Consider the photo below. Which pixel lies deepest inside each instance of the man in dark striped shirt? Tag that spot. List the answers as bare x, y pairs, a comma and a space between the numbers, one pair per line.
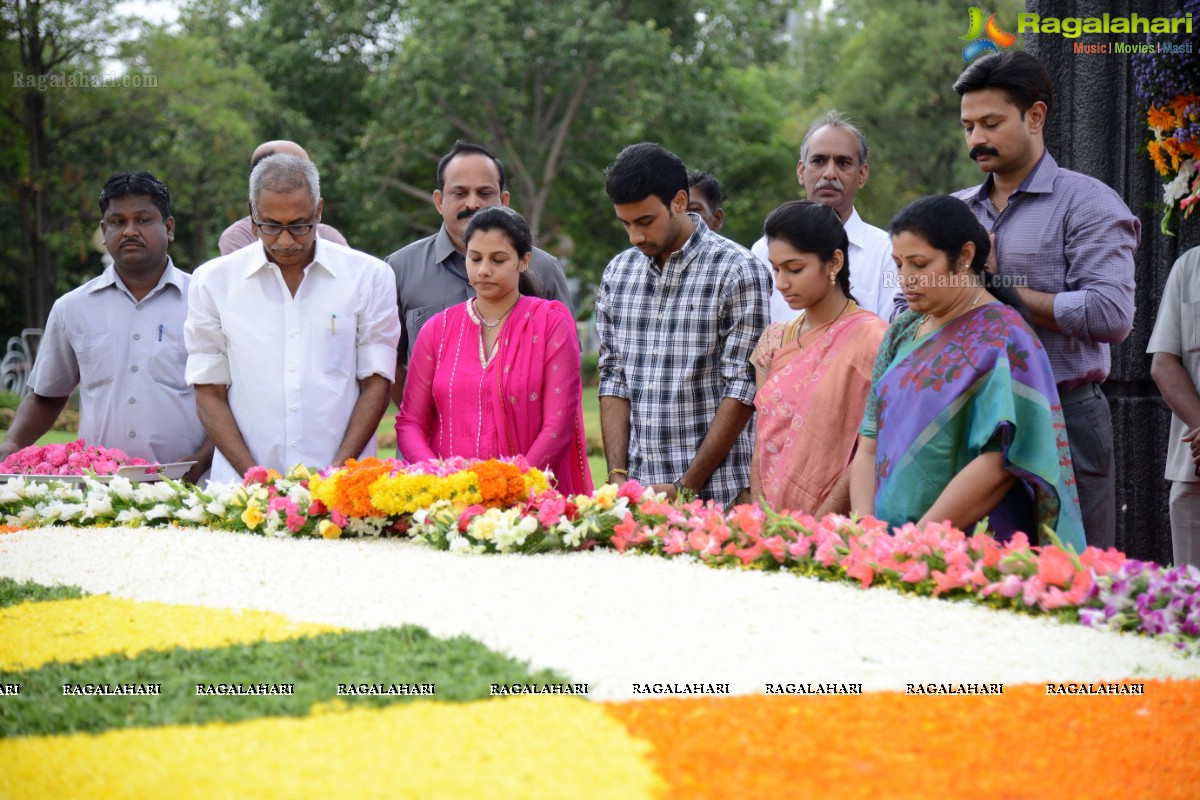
1065, 241
678, 315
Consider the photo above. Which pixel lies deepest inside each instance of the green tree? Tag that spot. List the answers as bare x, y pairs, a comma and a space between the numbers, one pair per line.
315, 59
556, 89
206, 118
53, 50
912, 124
749, 146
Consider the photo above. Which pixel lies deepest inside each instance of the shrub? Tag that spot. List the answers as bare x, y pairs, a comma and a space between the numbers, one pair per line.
589, 369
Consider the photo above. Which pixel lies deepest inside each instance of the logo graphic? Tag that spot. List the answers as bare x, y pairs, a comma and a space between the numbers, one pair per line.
983, 38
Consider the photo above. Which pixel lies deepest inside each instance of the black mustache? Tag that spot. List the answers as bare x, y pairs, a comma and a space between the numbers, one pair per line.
466, 213
982, 150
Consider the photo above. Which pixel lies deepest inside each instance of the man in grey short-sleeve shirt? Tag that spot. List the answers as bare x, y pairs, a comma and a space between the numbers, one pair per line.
431, 273
119, 338
1175, 344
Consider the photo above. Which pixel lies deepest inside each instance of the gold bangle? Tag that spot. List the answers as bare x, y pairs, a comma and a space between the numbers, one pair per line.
618, 471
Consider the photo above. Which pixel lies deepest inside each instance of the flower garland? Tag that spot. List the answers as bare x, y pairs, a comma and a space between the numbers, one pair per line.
1166, 83
504, 506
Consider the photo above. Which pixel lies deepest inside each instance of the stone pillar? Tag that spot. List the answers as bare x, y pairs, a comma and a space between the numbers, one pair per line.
1098, 127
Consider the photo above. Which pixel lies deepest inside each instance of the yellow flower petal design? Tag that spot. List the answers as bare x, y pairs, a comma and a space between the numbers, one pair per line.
33, 634
528, 747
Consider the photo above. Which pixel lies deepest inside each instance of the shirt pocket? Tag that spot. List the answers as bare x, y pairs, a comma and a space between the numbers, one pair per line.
1037, 264
333, 346
1190, 326
95, 353
168, 361
414, 320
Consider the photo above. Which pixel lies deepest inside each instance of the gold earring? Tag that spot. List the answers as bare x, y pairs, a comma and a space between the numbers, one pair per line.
833, 277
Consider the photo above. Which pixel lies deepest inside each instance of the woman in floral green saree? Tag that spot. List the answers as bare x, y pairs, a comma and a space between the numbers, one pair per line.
964, 421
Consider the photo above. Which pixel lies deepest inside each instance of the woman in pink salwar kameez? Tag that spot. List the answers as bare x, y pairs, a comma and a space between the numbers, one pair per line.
498, 375
813, 372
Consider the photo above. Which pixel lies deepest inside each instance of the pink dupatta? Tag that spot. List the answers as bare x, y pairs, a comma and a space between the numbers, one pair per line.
539, 401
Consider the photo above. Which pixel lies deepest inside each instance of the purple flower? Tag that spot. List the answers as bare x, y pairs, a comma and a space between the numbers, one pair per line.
1156, 622
1160, 78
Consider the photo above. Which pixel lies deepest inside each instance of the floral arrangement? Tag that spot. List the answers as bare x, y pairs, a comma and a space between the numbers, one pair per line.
386, 488
1145, 597
1099, 588
74, 458
504, 506
546, 521
1167, 84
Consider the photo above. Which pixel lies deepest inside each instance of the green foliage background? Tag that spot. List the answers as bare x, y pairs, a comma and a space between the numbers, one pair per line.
377, 90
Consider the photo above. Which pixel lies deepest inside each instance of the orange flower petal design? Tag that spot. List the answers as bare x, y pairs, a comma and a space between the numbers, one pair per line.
886, 744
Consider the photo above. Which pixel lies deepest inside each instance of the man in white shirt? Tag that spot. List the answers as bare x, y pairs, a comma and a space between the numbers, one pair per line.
119, 339
833, 168
291, 340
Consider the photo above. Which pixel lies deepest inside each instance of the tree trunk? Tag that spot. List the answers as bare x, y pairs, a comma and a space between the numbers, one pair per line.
38, 268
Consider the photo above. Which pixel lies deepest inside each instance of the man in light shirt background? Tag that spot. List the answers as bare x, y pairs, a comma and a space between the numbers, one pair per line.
431, 273
832, 169
704, 198
292, 340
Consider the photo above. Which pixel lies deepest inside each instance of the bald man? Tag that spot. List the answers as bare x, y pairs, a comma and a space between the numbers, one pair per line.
242, 232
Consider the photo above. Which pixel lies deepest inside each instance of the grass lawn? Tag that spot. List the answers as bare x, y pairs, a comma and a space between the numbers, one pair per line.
591, 427
58, 437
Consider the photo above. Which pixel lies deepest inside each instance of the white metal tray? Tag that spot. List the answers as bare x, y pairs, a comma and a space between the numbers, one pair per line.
140, 473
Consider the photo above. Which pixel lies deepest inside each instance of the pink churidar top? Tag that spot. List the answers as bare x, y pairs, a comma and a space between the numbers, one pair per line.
526, 401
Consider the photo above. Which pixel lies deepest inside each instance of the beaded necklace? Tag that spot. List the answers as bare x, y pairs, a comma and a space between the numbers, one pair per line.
478, 319
485, 358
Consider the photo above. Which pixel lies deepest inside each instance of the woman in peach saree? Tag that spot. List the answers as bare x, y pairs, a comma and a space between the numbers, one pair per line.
813, 372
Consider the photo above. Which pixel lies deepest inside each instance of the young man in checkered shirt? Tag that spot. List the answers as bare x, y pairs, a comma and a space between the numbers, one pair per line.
678, 315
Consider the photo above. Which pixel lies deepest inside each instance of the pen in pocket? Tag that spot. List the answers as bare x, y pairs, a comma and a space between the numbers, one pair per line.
160, 327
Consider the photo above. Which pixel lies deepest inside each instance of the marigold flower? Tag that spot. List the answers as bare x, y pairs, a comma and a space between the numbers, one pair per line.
1180, 104
1162, 118
1171, 148
1158, 157
347, 489
500, 484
